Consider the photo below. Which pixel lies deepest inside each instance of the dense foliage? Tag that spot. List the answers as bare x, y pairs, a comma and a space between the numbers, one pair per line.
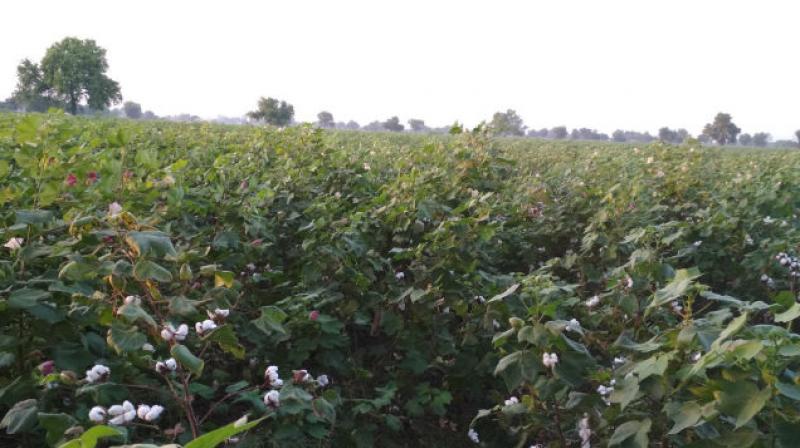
391, 290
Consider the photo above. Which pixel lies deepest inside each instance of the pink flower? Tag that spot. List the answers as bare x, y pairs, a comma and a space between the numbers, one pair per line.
71, 180
47, 367
91, 177
314, 315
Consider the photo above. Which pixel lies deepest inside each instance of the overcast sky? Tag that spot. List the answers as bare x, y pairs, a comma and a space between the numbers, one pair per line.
634, 64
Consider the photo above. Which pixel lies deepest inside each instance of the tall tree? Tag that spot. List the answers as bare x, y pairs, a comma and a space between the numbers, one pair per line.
722, 130
761, 139
325, 119
31, 92
745, 139
73, 71
417, 125
132, 110
393, 124
507, 123
797, 136
558, 132
272, 111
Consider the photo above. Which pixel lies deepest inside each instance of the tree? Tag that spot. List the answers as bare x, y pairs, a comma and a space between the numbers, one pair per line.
558, 132
31, 92
272, 111
507, 123
149, 115
797, 135
761, 139
667, 135
72, 72
417, 125
132, 110
722, 130
618, 136
393, 124
325, 119
746, 139
352, 125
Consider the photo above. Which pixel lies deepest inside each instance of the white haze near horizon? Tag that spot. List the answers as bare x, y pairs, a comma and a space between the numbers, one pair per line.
633, 65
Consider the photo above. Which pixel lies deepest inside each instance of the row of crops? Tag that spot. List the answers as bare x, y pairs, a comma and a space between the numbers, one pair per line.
206, 285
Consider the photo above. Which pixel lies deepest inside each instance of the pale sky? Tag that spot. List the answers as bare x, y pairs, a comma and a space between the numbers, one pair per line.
630, 64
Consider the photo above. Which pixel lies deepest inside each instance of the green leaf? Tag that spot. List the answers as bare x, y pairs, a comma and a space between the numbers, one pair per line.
26, 298
55, 425
686, 416
220, 435
33, 216
730, 330
513, 288
507, 361
270, 321
223, 279
227, 340
157, 244
89, 438
181, 306
625, 391
789, 315
21, 417
124, 338
149, 270
635, 429
788, 390
676, 288
133, 312
186, 359
742, 400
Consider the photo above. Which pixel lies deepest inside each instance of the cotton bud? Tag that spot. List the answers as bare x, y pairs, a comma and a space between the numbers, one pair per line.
170, 365
97, 373
584, 431
97, 414
516, 322
549, 360
593, 301
573, 325
511, 401
149, 413
619, 360
473, 435
219, 315
205, 326
123, 414
114, 209
323, 380
400, 275
272, 399
300, 376
14, 244
170, 334
313, 315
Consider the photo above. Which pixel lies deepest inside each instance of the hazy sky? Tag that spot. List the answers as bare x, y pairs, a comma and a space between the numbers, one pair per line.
610, 64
